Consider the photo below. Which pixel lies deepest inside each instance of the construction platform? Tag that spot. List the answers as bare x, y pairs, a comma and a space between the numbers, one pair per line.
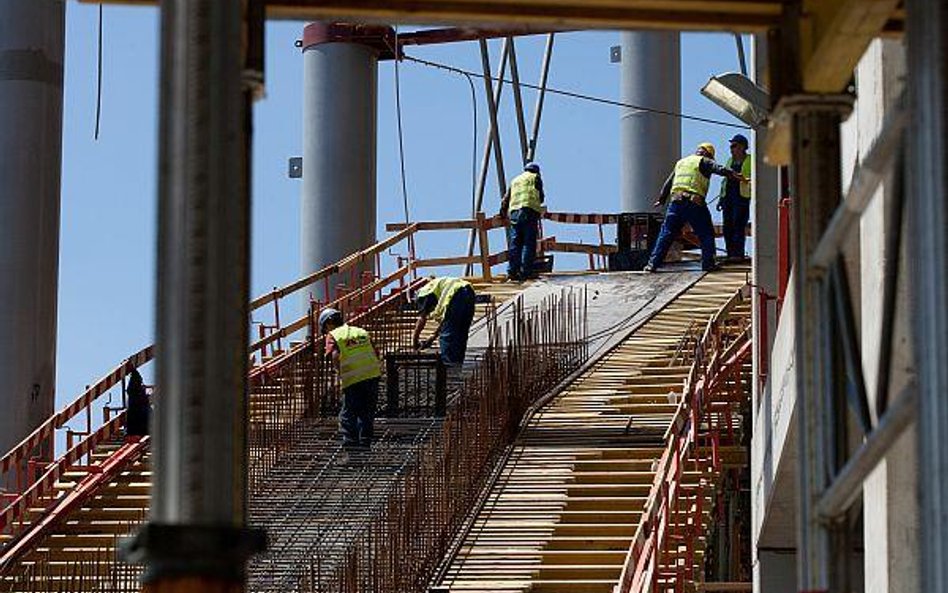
564, 501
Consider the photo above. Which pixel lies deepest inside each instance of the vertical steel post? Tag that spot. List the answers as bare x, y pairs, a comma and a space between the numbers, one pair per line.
32, 51
492, 112
817, 178
518, 100
541, 95
927, 208
196, 539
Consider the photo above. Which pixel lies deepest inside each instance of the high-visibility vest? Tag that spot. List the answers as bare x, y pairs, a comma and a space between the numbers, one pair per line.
746, 172
688, 177
443, 289
524, 193
357, 359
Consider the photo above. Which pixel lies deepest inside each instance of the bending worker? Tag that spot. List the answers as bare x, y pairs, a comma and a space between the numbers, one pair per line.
357, 362
450, 301
522, 206
687, 185
735, 198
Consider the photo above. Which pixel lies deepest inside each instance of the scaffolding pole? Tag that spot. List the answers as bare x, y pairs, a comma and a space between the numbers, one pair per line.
196, 539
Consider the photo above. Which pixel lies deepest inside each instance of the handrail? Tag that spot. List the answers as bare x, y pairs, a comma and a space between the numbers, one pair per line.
714, 361
58, 420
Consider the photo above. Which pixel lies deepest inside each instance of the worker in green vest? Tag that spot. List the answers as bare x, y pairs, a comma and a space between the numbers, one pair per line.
451, 302
735, 198
522, 206
687, 186
357, 362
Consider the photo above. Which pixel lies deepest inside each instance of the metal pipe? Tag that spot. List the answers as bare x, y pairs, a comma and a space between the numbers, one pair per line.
541, 95
741, 59
494, 95
197, 518
927, 209
492, 112
846, 487
518, 100
32, 46
867, 178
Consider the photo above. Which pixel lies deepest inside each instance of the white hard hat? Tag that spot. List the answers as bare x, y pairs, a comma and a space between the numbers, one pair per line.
327, 314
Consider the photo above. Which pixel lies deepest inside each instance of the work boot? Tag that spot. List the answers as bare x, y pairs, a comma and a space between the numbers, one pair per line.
712, 268
649, 269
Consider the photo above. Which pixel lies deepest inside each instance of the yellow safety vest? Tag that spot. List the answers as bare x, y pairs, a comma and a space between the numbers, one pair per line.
524, 193
746, 167
357, 359
443, 289
688, 177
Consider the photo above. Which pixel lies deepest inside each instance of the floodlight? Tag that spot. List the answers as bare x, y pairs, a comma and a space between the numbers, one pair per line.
739, 96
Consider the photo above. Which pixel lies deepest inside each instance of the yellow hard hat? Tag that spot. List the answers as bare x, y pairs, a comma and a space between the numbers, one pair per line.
708, 147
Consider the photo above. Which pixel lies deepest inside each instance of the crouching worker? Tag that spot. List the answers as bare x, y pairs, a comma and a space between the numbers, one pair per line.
451, 302
359, 368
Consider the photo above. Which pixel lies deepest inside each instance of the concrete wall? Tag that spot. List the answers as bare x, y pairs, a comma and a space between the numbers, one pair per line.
890, 511
890, 505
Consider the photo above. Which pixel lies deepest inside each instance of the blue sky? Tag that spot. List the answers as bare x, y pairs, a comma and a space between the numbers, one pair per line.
107, 262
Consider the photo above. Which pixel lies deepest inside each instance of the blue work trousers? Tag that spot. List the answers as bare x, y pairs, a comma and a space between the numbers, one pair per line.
522, 242
357, 416
679, 213
456, 326
736, 213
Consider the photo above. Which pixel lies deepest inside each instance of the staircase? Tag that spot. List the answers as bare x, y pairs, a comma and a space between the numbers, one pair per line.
564, 510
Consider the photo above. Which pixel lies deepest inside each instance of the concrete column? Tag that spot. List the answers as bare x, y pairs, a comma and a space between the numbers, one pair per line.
889, 499
927, 209
32, 46
650, 142
340, 109
817, 168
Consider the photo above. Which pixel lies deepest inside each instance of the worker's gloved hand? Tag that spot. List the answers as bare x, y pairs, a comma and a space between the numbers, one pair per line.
657, 203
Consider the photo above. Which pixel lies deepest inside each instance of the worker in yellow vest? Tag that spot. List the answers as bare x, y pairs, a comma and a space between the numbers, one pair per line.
451, 302
687, 186
735, 198
357, 362
522, 206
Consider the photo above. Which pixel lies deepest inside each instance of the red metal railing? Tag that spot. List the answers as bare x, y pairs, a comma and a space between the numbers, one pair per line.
784, 259
673, 514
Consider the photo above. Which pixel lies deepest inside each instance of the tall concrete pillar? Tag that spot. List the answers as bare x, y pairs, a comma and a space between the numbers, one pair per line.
340, 109
650, 142
32, 48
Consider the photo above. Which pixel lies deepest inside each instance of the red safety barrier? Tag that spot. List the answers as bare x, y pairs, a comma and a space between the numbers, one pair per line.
693, 438
784, 259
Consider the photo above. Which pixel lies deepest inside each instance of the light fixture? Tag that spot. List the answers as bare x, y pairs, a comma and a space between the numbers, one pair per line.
739, 96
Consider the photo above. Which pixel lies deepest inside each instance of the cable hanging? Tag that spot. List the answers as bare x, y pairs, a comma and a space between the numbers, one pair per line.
581, 96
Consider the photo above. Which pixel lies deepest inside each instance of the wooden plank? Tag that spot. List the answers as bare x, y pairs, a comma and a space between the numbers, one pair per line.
835, 34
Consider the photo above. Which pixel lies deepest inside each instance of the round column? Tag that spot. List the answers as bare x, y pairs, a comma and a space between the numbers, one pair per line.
340, 97
650, 143
32, 47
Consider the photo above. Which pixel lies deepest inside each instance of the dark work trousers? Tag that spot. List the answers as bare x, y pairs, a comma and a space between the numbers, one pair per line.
357, 417
699, 217
456, 325
522, 242
736, 211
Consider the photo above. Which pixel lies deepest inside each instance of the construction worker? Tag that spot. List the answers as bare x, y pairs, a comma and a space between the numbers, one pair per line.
734, 200
522, 206
357, 362
451, 302
687, 186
